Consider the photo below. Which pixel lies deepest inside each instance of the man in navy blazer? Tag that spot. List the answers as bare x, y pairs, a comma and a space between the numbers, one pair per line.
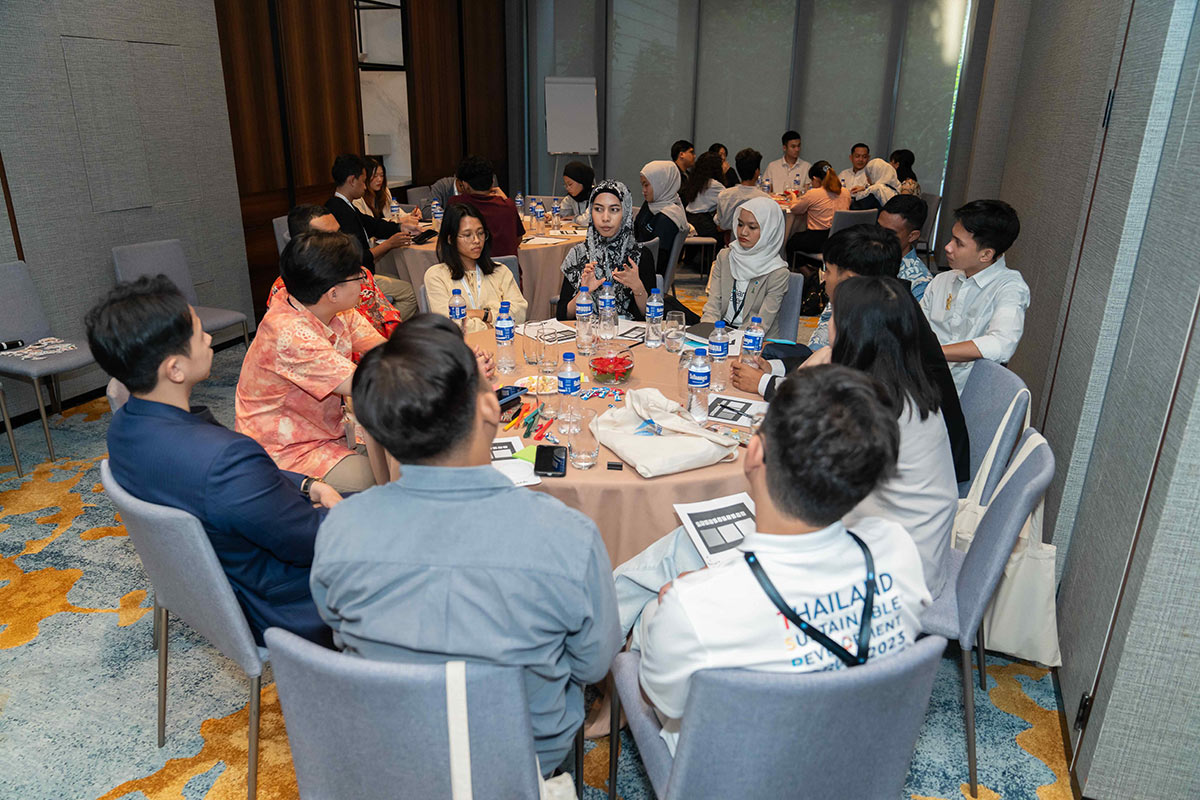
261, 520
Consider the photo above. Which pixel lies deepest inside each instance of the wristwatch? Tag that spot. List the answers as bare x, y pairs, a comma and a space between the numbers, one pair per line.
306, 486
487, 315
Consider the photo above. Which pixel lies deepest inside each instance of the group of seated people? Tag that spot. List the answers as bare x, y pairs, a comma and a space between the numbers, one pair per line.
854, 469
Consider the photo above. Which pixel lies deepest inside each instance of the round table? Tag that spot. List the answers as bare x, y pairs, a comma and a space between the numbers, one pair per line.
541, 273
631, 512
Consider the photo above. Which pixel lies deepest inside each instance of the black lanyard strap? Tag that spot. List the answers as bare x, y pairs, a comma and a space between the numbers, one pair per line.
737, 309
864, 625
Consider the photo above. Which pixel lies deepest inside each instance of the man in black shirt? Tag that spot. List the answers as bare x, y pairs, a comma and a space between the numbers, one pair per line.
350, 175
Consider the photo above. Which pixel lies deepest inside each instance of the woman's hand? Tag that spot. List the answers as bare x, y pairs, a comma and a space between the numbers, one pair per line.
588, 277
487, 365
628, 276
822, 356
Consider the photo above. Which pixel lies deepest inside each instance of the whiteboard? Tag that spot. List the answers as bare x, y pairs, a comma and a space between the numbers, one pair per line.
571, 125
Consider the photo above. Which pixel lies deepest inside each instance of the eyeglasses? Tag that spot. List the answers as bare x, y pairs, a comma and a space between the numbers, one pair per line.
360, 277
475, 236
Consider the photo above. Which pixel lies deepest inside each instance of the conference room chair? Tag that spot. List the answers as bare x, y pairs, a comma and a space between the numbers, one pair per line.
513, 265
957, 613
165, 256
23, 317
282, 237
12, 442
704, 243
364, 728
848, 219
649, 246
418, 195
188, 581
789, 307
925, 243
117, 394
422, 300
666, 281
750, 734
985, 399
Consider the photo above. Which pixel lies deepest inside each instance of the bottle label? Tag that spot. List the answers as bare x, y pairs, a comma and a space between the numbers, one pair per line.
504, 330
458, 312
568, 384
583, 309
654, 312
606, 303
752, 342
718, 349
698, 378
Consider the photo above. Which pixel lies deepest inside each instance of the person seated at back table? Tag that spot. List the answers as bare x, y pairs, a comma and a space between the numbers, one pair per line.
261, 521
376, 200
662, 216
729, 175
609, 252
867, 251
299, 366
882, 185
699, 194
683, 154
977, 308
749, 279
825, 196
790, 171
728, 201
475, 184
464, 245
904, 215
854, 177
350, 176
373, 302
829, 437
902, 161
451, 561
578, 181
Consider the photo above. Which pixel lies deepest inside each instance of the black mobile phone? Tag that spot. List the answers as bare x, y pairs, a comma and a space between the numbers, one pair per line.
424, 236
550, 461
507, 395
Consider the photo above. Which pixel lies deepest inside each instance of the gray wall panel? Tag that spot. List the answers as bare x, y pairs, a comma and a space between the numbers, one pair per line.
163, 111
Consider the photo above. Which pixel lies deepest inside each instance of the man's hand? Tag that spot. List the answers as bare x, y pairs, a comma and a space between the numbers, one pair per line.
822, 356
322, 494
747, 377
487, 364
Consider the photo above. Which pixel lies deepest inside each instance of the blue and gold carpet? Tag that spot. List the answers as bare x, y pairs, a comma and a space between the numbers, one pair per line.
77, 672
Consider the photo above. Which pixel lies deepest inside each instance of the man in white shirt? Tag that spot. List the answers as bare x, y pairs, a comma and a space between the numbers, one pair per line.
729, 200
825, 443
977, 309
791, 171
855, 177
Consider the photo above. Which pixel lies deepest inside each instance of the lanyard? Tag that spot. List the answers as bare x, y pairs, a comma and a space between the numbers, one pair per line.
864, 626
737, 309
478, 287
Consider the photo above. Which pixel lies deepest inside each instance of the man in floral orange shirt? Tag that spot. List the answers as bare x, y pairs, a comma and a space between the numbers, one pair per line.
299, 367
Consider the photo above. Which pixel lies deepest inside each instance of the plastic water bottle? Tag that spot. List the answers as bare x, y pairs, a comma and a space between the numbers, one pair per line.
520, 201
568, 396
458, 309
541, 219
556, 217
698, 378
752, 341
395, 209
718, 356
437, 216
606, 299
584, 319
506, 357
654, 319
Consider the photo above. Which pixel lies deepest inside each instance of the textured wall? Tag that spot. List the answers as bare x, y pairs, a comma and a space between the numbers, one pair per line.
115, 131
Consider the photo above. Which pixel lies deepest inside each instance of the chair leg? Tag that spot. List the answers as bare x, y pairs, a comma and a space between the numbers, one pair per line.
12, 442
614, 737
255, 710
982, 658
37, 390
246, 334
969, 715
579, 763
154, 635
56, 394
160, 616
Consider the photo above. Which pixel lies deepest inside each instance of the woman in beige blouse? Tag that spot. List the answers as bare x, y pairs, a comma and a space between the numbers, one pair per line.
464, 247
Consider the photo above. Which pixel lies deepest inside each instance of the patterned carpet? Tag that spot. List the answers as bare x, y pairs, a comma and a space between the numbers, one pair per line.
77, 672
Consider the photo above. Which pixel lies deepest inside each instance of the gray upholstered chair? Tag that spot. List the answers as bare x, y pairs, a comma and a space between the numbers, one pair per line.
704, 243
789, 308
282, 236
363, 728
925, 242
166, 256
419, 195
745, 733
985, 399
188, 581
117, 394
957, 613
513, 265
667, 280
848, 219
22, 317
12, 443
422, 300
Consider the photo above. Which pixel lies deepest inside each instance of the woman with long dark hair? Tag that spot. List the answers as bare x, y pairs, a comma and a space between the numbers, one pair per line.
876, 328
729, 175
902, 161
699, 194
464, 247
816, 208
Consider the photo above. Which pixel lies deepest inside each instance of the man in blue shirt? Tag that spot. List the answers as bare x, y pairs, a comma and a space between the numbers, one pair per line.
904, 215
452, 561
262, 521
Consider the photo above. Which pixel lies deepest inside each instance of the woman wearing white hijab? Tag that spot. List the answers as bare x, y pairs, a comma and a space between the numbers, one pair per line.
749, 278
662, 214
882, 185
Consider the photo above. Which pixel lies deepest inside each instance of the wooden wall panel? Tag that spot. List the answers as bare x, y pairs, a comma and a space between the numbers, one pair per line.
485, 84
435, 116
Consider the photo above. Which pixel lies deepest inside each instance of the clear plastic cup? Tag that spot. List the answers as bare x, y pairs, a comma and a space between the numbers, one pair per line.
582, 444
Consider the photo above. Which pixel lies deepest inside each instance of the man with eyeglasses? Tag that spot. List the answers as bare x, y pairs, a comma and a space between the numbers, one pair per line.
299, 367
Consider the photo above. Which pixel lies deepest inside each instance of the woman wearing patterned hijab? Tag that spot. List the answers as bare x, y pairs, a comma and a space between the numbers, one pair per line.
609, 253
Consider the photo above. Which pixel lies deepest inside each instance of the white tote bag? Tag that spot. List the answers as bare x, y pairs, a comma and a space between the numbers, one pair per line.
655, 436
560, 787
1021, 620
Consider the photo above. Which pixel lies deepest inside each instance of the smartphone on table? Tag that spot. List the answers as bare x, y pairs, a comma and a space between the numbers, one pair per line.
550, 461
